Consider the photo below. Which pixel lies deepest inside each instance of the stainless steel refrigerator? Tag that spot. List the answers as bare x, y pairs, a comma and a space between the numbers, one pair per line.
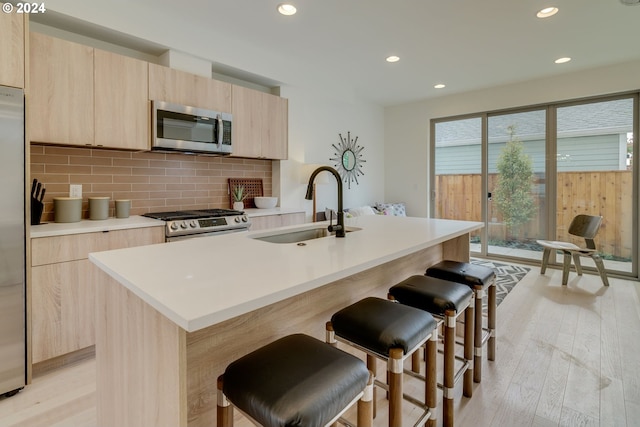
12, 242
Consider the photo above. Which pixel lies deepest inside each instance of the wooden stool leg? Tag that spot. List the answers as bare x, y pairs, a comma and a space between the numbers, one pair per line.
395, 370
478, 292
492, 311
372, 366
431, 382
365, 404
224, 414
415, 361
449, 368
600, 266
469, 338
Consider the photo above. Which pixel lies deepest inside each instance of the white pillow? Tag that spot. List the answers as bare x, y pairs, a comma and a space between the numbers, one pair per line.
361, 211
393, 209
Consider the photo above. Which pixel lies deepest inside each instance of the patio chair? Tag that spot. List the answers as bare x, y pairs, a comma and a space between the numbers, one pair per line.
585, 226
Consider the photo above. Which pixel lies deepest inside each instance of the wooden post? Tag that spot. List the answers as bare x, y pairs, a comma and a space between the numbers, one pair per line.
431, 381
371, 365
449, 368
478, 293
395, 370
469, 332
365, 404
224, 408
491, 321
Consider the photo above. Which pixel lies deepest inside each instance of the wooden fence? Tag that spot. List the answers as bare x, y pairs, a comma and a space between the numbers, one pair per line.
606, 193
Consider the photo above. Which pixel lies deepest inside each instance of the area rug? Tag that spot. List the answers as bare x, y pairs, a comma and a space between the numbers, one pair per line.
507, 277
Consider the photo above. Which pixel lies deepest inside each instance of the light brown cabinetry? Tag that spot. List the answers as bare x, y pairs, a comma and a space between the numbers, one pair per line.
179, 87
278, 220
121, 101
12, 28
85, 96
61, 91
63, 287
260, 124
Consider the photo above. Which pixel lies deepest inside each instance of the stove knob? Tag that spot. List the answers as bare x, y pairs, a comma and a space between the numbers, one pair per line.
184, 224
174, 226
244, 218
237, 219
193, 224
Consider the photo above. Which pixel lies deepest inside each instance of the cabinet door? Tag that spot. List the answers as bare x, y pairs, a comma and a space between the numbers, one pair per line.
293, 218
247, 122
121, 101
63, 309
12, 49
275, 127
180, 87
61, 94
265, 222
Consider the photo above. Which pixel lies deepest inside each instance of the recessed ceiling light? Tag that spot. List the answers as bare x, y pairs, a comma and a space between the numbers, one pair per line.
439, 86
562, 60
393, 58
547, 12
287, 9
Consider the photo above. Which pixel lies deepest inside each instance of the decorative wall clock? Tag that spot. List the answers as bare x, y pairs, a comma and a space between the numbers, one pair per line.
348, 159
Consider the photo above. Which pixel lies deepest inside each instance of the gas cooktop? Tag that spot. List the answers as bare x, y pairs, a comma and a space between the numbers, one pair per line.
192, 214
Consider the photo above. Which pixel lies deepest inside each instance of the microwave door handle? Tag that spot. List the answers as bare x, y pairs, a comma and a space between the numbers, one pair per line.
220, 130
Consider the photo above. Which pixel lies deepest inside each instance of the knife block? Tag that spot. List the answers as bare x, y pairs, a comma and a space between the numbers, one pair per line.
36, 211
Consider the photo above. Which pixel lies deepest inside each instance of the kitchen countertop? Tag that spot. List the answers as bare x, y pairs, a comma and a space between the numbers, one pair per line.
92, 226
197, 283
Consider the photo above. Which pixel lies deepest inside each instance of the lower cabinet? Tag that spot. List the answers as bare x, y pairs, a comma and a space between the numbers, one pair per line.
63, 287
279, 220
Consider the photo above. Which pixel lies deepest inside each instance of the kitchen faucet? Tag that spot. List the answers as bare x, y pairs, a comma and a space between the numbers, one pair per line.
339, 227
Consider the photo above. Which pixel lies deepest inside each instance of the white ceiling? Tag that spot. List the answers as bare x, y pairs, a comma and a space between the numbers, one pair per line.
465, 44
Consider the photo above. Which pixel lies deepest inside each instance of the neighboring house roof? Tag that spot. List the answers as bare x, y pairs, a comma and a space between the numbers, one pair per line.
577, 120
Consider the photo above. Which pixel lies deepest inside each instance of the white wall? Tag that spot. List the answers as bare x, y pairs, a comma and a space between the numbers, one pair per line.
407, 126
315, 120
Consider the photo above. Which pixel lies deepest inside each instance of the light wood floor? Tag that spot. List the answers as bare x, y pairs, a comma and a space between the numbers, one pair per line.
566, 357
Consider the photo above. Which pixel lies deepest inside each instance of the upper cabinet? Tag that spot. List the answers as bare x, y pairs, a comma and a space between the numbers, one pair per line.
85, 96
121, 101
12, 28
61, 91
260, 124
179, 87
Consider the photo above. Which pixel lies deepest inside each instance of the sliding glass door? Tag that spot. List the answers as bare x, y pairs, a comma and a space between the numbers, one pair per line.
526, 173
595, 175
516, 183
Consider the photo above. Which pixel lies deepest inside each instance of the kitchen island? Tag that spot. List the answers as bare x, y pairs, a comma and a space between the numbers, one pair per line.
170, 317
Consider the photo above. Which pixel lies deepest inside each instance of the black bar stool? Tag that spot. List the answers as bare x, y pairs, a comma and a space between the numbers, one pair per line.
447, 301
479, 279
391, 332
296, 380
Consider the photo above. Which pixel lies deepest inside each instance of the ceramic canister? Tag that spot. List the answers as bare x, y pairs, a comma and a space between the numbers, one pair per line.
98, 208
67, 209
122, 208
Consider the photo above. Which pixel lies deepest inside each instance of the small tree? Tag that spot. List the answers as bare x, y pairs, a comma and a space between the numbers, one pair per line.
513, 193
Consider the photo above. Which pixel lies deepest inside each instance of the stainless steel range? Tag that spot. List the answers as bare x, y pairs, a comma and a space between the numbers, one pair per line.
202, 222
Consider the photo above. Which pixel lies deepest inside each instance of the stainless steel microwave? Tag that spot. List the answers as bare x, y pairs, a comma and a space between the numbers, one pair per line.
190, 129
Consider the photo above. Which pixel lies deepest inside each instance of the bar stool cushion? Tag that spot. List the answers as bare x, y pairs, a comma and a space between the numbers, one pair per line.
294, 381
462, 272
431, 294
380, 325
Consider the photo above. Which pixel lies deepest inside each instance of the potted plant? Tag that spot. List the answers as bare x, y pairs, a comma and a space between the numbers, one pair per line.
238, 196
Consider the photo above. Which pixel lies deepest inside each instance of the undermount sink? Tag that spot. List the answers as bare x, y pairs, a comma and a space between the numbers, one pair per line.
296, 236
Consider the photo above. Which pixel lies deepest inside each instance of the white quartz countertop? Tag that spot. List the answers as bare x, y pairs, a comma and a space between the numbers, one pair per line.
199, 282
92, 226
